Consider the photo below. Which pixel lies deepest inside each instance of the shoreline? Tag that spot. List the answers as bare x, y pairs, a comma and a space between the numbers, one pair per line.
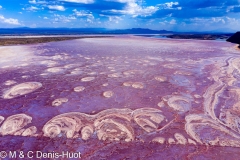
31, 39
9, 41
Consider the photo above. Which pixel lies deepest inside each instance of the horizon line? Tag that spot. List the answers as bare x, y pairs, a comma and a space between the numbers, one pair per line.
116, 29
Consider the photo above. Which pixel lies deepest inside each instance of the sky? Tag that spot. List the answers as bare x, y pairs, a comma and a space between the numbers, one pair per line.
179, 15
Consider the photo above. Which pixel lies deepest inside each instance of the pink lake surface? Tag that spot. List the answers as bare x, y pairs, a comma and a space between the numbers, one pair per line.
122, 97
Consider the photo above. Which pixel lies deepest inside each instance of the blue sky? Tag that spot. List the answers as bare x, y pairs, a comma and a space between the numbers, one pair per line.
179, 15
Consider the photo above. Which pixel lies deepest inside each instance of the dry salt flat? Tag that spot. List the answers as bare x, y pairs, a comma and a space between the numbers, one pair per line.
113, 97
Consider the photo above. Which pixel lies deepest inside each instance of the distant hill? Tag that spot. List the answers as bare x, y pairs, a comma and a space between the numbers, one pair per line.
235, 38
74, 31
139, 31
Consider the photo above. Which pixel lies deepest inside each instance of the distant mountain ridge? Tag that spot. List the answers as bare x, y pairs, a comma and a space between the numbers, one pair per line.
141, 31
73, 31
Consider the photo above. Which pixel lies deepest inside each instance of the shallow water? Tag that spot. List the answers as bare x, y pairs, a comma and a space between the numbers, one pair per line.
112, 97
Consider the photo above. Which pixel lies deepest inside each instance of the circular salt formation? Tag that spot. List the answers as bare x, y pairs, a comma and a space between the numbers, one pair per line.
131, 72
171, 141
108, 94
68, 66
114, 75
69, 125
31, 131
127, 84
15, 123
110, 68
55, 70
114, 125
76, 72
60, 125
160, 140
9, 82
49, 63
87, 79
92, 73
179, 103
87, 58
21, 89
138, 85
79, 89
160, 78
86, 132
25, 76
105, 85
59, 101
148, 118
183, 73
180, 138
111, 130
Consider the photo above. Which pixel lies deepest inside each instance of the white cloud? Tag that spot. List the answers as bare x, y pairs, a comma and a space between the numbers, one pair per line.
170, 22
212, 20
169, 5
134, 9
32, 8
0, 7
89, 20
173, 21
33, 2
217, 19
83, 13
45, 17
63, 19
115, 19
163, 23
79, 1
37, 2
123, 1
9, 20
56, 7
